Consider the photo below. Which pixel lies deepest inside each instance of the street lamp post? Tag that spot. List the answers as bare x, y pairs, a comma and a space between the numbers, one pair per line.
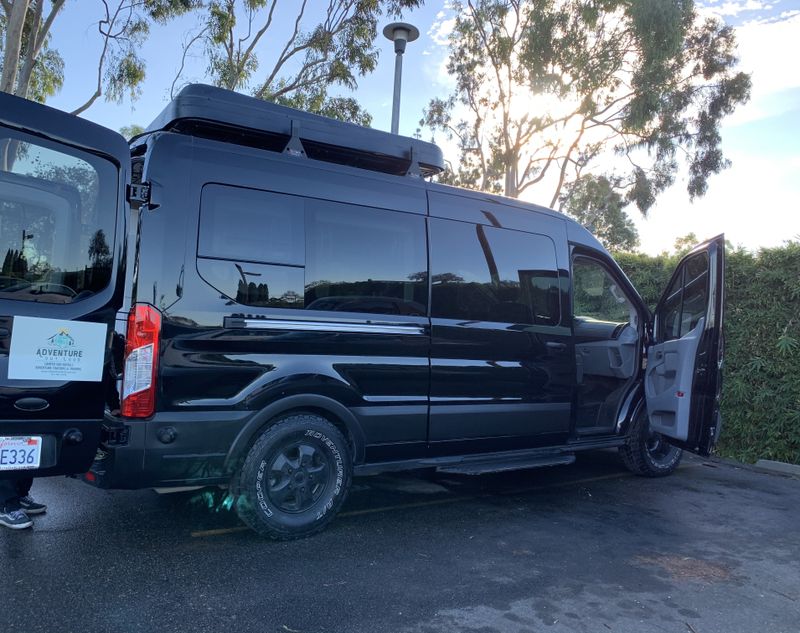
400, 33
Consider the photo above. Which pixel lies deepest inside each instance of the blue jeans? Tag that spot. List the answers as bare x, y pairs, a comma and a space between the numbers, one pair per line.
10, 492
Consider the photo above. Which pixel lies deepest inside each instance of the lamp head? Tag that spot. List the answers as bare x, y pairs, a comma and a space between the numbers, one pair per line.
400, 33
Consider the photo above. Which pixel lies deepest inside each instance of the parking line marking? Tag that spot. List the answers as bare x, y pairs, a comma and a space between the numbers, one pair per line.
219, 531
403, 506
446, 500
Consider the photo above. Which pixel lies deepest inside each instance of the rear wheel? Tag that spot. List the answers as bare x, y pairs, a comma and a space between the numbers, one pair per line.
648, 453
295, 477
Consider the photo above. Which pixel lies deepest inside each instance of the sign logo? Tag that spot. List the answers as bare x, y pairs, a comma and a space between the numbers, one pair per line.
60, 345
61, 339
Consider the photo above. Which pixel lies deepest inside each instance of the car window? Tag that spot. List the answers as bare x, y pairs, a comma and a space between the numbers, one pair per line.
686, 301
250, 225
272, 250
360, 259
482, 273
57, 221
596, 294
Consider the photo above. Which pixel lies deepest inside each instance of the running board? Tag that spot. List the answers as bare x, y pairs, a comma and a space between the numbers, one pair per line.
494, 462
499, 465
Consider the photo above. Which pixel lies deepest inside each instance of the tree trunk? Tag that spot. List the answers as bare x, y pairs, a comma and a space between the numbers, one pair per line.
511, 181
35, 40
13, 44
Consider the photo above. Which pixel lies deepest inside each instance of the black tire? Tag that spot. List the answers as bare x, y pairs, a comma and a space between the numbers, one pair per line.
294, 478
647, 453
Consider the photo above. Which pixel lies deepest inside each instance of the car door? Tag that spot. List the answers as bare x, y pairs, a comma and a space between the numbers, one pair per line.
684, 361
502, 363
62, 203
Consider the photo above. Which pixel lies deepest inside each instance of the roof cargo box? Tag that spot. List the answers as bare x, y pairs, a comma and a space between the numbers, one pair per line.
223, 115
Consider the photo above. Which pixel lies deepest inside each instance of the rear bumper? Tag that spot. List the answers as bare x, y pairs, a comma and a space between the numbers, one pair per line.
170, 449
68, 446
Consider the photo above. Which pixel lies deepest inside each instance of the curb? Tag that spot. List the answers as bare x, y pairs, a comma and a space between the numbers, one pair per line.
780, 468
763, 466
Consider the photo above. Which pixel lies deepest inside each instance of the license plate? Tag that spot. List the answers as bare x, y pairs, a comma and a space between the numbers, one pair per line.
20, 453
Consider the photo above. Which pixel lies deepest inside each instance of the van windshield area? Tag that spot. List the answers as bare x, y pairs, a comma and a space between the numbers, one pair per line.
57, 220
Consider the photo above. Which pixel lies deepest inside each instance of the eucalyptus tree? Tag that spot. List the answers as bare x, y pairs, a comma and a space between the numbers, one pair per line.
32, 69
546, 91
291, 53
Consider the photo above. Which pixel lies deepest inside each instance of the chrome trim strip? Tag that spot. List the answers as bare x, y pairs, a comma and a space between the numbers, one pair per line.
332, 326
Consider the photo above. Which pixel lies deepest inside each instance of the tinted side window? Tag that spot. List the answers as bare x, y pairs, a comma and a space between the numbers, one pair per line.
57, 220
272, 250
484, 273
251, 225
695, 292
671, 310
595, 293
686, 300
257, 285
360, 259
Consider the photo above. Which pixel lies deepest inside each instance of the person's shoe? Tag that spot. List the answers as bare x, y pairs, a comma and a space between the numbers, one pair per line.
15, 519
30, 506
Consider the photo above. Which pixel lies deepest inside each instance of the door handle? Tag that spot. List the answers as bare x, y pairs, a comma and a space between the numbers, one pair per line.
558, 347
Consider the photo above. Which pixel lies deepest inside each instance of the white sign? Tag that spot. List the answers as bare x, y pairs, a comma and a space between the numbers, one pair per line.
52, 349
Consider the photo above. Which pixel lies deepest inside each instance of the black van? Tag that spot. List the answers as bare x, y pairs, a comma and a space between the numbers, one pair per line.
256, 297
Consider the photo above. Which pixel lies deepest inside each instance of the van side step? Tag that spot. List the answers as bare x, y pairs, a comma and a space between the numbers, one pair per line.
499, 465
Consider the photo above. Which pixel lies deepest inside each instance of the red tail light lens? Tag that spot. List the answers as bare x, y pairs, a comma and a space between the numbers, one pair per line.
141, 362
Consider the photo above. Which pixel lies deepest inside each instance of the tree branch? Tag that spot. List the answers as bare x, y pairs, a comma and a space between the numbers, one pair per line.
282, 58
110, 21
184, 53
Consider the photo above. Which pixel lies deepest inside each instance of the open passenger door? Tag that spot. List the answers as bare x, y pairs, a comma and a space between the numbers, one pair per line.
684, 360
62, 240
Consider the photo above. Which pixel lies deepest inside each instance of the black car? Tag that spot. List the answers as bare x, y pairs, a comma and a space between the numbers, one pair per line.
255, 297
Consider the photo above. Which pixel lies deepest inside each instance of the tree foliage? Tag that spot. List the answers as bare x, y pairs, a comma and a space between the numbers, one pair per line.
31, 69
129, 131
545, 89
761, 384
312, 56
598, 205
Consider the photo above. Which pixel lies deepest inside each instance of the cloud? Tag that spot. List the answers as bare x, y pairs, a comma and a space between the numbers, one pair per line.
732, 8
762, 45
756, 203
439, 38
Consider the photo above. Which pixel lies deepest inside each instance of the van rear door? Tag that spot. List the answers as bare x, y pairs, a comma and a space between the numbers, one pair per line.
62, 239
683, 376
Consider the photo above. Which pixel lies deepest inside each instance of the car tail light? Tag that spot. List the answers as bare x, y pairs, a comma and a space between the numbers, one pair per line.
141, 362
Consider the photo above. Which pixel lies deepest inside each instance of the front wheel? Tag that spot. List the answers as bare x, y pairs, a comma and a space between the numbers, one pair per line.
648, 453
295, 477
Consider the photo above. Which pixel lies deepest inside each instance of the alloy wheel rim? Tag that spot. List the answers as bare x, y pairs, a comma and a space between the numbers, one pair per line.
298, 475
657, 447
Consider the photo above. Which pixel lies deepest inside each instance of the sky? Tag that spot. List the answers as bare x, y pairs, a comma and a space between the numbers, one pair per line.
755, 202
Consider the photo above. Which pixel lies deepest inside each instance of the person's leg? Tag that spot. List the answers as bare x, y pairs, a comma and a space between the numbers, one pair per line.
24, 486
9, 495
25, 500
11, 514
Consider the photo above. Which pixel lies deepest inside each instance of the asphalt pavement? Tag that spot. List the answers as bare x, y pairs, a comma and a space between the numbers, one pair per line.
587, 547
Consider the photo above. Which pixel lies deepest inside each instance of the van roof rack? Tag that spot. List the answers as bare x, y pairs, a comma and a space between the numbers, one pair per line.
224, 115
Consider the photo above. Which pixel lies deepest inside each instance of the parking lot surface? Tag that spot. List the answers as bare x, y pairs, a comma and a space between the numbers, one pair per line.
586, 547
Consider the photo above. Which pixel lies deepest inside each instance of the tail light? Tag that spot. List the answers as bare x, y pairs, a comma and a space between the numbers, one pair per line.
141, 362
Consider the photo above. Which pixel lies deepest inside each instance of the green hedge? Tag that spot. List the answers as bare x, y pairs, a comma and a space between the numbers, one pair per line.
761, 378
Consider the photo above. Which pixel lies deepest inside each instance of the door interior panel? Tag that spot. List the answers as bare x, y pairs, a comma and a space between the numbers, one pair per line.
668, 383
615, 357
